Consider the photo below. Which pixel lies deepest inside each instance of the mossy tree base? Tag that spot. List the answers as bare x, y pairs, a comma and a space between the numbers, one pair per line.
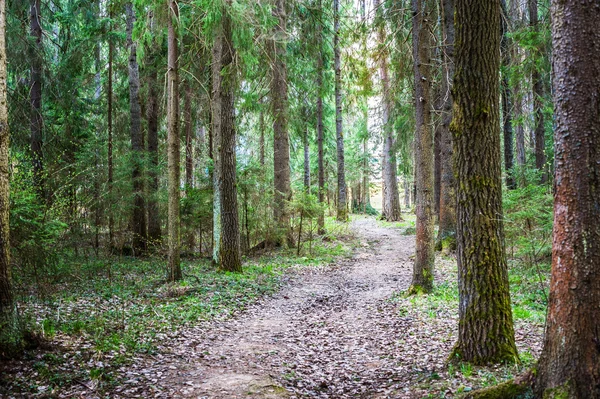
507, 390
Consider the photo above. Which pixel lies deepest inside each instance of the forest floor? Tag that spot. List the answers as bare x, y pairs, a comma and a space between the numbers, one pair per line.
343, 330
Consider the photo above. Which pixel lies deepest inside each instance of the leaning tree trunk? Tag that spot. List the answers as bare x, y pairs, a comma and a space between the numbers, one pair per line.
10, 339
138, 219
342, 208
391, 210
281, 141
485, 329
173, 225
447, 221
229, 249
569, 364
320, 127
35, 93
538, 102
422, 280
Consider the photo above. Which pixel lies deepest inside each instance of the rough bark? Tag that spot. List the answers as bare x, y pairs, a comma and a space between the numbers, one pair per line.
447, 218
35, 93
569, 364
138, 218
422, 280
342, 207
391, 208
10, 339
152, 108
538, 103
485, 330
229, 258
507, 101
281, 141
320, 127
173, 225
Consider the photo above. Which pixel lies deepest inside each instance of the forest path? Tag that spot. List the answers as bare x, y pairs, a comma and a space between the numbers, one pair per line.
330, 333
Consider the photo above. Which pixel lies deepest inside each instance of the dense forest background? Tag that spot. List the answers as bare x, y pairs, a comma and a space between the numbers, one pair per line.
181, 149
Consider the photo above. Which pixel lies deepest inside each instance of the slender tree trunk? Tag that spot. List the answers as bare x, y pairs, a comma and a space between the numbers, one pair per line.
152, 108
406, 193
189, 144
507, 102
422, 43
342, 208
320, 127
173, 142
138, 220
109, 117
538, 102
281, 143
391, 209
447, 221
215, 140
366, 194
10, 339
261, 143
229, 256
306, 161
437, 161
35, 93
485, 330
569, 364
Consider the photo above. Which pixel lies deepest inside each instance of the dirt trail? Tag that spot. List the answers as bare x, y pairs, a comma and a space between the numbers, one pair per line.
330, 333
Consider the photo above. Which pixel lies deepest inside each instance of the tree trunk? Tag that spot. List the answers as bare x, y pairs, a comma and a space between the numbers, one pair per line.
109, 117
173, 142
538, 103
229, 256
366, 194
507, 101
320, 127
342, 209
306, 161
391, 208
568, 366
154, 233
281, 143
35, 94
422, 280
447, 221
261, 143
485, 330
10, 339
189, 144
138, 220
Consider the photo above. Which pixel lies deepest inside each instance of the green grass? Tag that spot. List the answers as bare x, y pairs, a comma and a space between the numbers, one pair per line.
406, 226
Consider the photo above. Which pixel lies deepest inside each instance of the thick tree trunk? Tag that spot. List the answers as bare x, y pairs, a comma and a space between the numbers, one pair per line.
422, 280
35, 93
154, 233
485, 330
391, 202
342, 208
538, 97
281, 143
320, 127
229, 249
569, 364
138, 219
215, 140
447, 220
507, 101
173, 142
10, 338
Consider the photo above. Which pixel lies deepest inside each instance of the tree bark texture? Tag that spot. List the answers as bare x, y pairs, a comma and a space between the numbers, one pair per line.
342, 208
422, 280
320, 127
173, 143
279, 96
447, 218
9, 329
35, 93
507, 101
138, 219
569, 366
109, 122
485, 331
189, 137
229, 255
